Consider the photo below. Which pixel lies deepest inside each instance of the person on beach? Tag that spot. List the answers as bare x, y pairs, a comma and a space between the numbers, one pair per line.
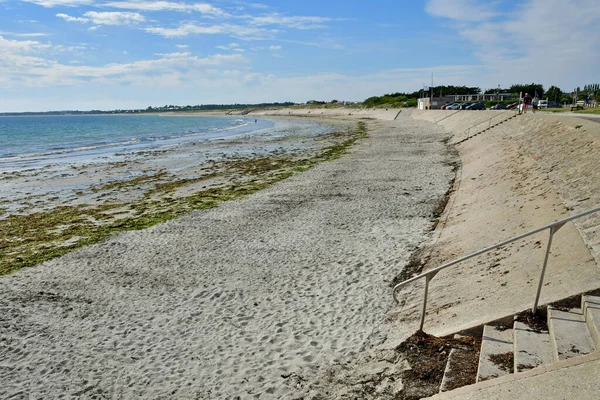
526, 102
534, 104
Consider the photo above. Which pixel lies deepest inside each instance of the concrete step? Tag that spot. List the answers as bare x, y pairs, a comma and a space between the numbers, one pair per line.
496, 357
446, 384
591, 311
454, 367
532, 348
569, 334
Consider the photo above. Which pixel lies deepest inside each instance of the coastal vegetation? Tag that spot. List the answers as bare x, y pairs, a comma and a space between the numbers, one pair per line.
410, 99
28, 239
589, 92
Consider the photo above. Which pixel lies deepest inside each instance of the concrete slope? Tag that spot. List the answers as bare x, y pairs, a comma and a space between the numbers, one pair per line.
502, 191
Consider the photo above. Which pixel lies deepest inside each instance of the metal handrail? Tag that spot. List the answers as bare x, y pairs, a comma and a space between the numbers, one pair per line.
468, 130
554, 227
447, 116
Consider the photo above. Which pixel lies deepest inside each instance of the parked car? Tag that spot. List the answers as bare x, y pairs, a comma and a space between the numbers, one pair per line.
554, 104
445, 106
476, 106
511, 106
543, 104
499, 106
464, 106
453, 106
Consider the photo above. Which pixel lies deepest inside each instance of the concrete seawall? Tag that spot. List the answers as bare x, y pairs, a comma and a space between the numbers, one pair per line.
520, 175
567, 153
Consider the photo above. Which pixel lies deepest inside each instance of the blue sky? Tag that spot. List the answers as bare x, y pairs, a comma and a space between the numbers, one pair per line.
108, 54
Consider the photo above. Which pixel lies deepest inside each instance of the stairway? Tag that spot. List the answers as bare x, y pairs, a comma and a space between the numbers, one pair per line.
487, 129
570, 332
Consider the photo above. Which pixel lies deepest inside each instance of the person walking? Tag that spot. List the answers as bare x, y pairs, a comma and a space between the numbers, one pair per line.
534, 104
526, 102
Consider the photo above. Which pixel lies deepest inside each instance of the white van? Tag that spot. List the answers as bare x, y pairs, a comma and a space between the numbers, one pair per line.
543, 104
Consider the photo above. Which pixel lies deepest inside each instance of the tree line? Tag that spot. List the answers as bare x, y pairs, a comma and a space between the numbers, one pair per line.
554, 93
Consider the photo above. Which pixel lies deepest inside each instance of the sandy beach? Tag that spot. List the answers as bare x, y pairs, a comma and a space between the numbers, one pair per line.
286, 293
250, 299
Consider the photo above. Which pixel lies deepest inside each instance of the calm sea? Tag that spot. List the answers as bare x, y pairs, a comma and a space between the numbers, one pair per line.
26, 139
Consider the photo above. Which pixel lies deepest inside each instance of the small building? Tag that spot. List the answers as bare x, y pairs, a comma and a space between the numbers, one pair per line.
435, 104
423, 103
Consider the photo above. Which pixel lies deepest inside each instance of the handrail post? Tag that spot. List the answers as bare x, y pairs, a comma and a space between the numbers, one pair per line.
553, 230
425, 294
427, 279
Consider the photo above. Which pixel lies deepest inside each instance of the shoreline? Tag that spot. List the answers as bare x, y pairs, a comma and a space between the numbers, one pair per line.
90, 199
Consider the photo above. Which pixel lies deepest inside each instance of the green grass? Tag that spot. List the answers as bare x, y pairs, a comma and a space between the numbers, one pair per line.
568, 109
589, 111
27, 240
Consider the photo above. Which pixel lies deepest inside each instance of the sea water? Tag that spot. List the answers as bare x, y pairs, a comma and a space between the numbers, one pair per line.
25, 140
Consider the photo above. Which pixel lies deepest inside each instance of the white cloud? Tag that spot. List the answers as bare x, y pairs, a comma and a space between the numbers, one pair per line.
24, 65
33, 34
259, 6
182, 46
166, 6
230, 46
274, 48
105, 18
173, 55
461, 10
68, 49
187, 29
114, 18
57, 3
297, 22
541, 41
8, 46
72, 19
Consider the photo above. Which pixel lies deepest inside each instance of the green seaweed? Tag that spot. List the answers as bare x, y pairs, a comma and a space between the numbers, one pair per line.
28, 240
